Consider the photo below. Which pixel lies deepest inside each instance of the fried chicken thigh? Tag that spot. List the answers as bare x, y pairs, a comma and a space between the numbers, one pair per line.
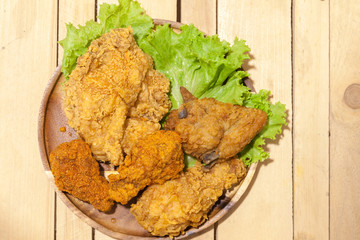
212, 130
170, 208
77, 172
156, 158
105, 86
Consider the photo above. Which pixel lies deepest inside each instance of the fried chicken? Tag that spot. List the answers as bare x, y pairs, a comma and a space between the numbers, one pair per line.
77, 172
150, 107
153, 102
135, 130
212, 130
170, 208
105, 86
156, 158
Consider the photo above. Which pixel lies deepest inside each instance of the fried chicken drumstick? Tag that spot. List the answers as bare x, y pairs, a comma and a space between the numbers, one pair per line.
77, 172
212, 130
170, 208
156, 158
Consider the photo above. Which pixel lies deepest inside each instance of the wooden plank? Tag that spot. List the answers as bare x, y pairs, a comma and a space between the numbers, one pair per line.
27, 59
201, 13
311, 158
161, 9
265, 212
344, 119
68, 225
101, 236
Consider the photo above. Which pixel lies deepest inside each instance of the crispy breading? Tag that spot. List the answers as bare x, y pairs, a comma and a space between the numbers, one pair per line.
112, 78
77, 172
170, 208
153, 102
135, 130
156, 158
211, 129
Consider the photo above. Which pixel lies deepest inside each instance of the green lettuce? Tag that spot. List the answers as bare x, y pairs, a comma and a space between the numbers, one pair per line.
205, 65
209, 67
111, 16
200, 64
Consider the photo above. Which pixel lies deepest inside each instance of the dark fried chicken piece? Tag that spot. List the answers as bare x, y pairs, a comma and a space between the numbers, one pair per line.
170, 208
113, 80
156, 158
77, 172
212, 130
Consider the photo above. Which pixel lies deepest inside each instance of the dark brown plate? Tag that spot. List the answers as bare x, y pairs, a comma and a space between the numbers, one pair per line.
119, 223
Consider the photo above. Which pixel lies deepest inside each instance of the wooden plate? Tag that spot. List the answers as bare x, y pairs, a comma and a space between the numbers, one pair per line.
119, 223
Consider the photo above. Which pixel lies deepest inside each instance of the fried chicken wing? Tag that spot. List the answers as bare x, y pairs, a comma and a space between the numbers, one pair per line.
112, 78
212, 130
156, 158
77, 172
170, 208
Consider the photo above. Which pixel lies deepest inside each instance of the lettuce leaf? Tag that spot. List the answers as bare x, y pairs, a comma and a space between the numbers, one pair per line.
209, 67
194, 61
253, 152
77, 40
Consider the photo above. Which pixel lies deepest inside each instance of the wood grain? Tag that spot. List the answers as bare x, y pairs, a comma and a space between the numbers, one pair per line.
27, 59
161, 9
68, 225
266, 210
344, 121
201, 13
311, 95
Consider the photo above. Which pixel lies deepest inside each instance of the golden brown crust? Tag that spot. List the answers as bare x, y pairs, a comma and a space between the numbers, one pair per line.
153, 102
135, 129
77, 172
154, 159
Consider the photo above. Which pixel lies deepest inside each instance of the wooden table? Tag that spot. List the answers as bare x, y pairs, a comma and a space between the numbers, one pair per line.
306, 52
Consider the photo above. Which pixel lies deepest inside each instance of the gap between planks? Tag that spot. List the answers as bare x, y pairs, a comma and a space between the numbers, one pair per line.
329, 123
292, 111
